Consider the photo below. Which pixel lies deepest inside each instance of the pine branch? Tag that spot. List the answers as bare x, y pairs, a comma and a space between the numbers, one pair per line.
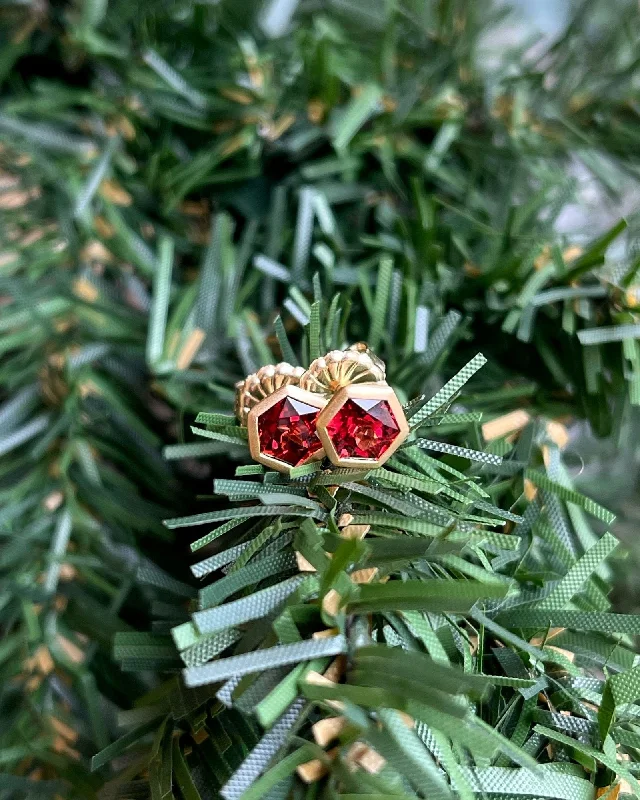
382, 624
139, 143
82, 483
405, 147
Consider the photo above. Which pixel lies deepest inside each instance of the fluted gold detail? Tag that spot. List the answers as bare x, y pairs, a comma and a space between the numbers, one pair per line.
261, 384
340, 368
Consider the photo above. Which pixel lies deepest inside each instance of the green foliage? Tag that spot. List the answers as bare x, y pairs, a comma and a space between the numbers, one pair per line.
175, 175
418, 149
469, 636
82, 486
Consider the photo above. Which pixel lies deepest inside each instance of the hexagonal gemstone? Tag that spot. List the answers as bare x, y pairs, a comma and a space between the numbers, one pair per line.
287, 431
363, 428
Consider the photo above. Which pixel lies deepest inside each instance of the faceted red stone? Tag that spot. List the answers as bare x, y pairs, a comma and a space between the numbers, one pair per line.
363, 428
287, 431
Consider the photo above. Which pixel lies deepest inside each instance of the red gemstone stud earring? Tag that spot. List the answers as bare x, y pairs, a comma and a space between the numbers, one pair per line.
280, 417
340, 407
363, 424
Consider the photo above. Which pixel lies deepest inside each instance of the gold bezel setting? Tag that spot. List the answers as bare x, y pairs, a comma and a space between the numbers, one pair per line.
290, 390
362, 391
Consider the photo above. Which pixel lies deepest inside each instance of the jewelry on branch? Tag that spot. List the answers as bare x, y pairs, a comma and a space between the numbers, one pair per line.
340, 407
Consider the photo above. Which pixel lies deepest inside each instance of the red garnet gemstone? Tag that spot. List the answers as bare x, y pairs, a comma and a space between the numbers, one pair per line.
363, 429
287, 431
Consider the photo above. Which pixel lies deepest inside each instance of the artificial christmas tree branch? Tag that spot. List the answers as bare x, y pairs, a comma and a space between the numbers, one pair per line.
414, 143
439, 624
175, 176
79, 488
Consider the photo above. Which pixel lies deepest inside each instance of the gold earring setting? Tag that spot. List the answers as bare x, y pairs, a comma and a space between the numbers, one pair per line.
362, 426
340, 407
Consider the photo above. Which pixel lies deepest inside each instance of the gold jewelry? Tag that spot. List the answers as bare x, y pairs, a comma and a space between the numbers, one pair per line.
261, 384
279, 416
362, 426
339, 368
282, 428
341, 406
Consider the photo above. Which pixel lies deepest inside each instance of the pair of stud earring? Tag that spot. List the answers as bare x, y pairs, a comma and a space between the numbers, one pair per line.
340, 407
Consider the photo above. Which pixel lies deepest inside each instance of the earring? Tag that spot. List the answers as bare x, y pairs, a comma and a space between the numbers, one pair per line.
340, 407
362, 426
339, 368
280, 417
363, 423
